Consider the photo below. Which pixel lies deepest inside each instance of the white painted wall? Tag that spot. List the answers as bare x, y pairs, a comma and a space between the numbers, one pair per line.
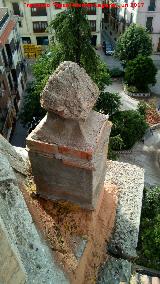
140, 16
27, 20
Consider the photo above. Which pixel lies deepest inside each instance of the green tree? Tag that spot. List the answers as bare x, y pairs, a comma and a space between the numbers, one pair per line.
42, 69
108, 103
130, 125
142, 108
140, 72
71, 40
149, 236
72, 31
135, 40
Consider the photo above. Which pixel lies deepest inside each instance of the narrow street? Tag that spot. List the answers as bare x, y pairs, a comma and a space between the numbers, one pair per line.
147, 156
20, 132
127, 102
111, 61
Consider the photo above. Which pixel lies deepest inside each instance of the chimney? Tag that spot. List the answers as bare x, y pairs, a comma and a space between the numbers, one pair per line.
68, 149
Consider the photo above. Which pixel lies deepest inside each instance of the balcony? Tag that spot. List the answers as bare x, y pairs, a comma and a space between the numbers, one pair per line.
40, 27
9, 64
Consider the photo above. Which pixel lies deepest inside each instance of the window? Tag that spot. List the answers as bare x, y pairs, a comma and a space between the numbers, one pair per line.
158, 47
26, 40
152, 6
11, 46
16, 9
43, 40
20, 24
39, 27
131, 19
91, 10
149, 24
38, 11
92, 25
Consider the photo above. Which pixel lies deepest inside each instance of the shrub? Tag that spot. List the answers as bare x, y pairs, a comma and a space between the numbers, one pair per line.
115, 144
142, 108
116, 73
108, 103
140, 72
134, 41
131, 126
132, 89
149, 236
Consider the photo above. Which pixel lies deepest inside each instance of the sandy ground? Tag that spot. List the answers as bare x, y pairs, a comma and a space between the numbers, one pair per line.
77, 237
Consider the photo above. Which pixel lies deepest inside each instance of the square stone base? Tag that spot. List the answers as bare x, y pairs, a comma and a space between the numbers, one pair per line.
70, 171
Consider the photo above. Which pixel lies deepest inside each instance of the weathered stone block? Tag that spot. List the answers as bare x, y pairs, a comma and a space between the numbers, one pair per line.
70, 92
68, 149
77, 171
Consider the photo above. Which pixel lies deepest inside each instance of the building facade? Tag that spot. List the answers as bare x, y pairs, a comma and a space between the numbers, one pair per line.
33, 21
12, 72
143, 12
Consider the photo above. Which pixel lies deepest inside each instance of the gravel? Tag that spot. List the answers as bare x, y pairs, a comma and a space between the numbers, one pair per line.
130, 182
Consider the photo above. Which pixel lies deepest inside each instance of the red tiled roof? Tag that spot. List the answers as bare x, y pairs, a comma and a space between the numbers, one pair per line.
3, 38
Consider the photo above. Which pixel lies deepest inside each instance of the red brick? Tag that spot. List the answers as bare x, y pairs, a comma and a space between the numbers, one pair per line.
74, 153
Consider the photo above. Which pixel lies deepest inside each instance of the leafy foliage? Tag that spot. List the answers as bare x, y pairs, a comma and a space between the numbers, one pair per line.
132, 89
72, 31
31, 106
142, 108
135, 40
116, 73
115, 144
73, 42
42, 69
140, 72
108, 103
130, 125
149, 237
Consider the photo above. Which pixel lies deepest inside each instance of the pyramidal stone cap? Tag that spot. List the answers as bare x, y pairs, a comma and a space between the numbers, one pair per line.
70, 92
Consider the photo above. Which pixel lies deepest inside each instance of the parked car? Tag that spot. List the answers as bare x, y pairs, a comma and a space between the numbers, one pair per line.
108, 48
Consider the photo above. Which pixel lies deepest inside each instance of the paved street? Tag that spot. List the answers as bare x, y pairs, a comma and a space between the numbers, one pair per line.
147, 156
110, 61
19, 135
116, 87
127, 102
156, 89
